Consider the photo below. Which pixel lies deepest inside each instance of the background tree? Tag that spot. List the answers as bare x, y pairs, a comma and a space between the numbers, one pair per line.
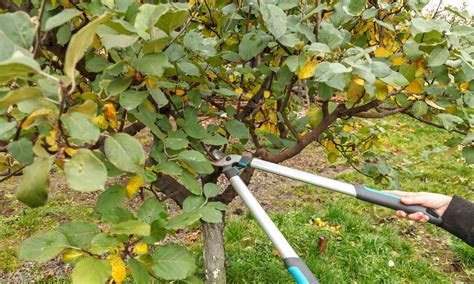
81, 79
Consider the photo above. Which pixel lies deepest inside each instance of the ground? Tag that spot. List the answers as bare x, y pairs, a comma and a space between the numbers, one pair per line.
364, 243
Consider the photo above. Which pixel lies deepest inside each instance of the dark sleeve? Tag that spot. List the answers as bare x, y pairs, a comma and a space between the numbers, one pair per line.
458, 219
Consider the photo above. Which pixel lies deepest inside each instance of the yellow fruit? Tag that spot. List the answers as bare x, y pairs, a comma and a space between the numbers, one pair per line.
134, 184
119, 271
140, 248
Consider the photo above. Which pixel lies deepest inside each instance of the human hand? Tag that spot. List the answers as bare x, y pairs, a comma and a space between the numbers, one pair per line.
438, 202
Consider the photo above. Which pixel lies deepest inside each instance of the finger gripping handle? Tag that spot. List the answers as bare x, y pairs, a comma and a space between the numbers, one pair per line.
300, 271
393, 201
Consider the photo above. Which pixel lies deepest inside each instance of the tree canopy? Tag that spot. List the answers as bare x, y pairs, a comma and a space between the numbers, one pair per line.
79, 79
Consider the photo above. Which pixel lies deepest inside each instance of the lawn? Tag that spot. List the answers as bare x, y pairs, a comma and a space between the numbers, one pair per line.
365, 243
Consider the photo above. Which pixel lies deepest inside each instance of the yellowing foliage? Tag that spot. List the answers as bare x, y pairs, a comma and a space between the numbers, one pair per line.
308, 70
133, 185
119, 271
140, 248
239, 91
398, 60
382, 52
416, 87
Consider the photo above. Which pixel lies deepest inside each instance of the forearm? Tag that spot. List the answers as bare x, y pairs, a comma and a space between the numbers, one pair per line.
458, 219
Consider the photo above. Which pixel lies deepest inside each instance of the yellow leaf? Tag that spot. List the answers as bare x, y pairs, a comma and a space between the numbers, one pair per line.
140, 248
308, 69
266, 94
119, 271
382, 52
239, 91
100, 121
464, 87
149, 106
71, 254
356, 89
330, 146
134, 184
110, 112
368, 145
180, 92
248, 96
70, 151
398, 60
416, 87
35, 115
88, 108
51, 140
211, 75
346, 128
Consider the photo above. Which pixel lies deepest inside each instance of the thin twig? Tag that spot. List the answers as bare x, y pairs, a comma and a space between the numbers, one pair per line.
14, 173
38, 30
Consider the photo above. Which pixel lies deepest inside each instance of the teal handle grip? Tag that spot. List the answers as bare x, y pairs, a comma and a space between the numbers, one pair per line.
393, 201
300, 271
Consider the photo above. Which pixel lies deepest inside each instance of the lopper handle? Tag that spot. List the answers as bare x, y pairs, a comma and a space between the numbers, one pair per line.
300, 271
393, 201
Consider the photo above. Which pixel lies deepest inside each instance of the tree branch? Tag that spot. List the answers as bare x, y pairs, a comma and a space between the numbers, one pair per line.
433, 123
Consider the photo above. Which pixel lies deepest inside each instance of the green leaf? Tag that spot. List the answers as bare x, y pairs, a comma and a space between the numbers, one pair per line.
237, 129
6, 129
194, 129
85, 172
91, 270
253, 43
131, 227
172, 20
183, 220
118, 85
130, 99
147, 17
325, 71
18, 95
157, 232
21, 150
274, 18
43, 247
18, 27
396, 79
80, 128
318, 47
188, 68
193, 202
215, 140
172, 262
468, 154
139, 272
329, 35
176, 143
210, 214
63, 35
421, 25
419, 108
355, 7
80, 42
151, 210
124, 152
33, 188
117, 215
438, 56
109, 199
78, 234
211, 190
197, 43
117, 41
190, 182
196, 161
450, 121
101, 243
152, 64
18, 65
61, 18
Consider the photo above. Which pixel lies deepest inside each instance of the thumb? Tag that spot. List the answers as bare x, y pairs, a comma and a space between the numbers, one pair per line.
416, 199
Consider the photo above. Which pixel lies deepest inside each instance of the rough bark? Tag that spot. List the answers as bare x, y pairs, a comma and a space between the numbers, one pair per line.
214, 255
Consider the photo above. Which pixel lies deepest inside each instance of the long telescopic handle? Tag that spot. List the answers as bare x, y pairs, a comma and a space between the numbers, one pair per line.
296, 266
359, 191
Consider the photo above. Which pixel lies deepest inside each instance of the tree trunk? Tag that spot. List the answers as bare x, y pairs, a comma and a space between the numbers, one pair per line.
214, 256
